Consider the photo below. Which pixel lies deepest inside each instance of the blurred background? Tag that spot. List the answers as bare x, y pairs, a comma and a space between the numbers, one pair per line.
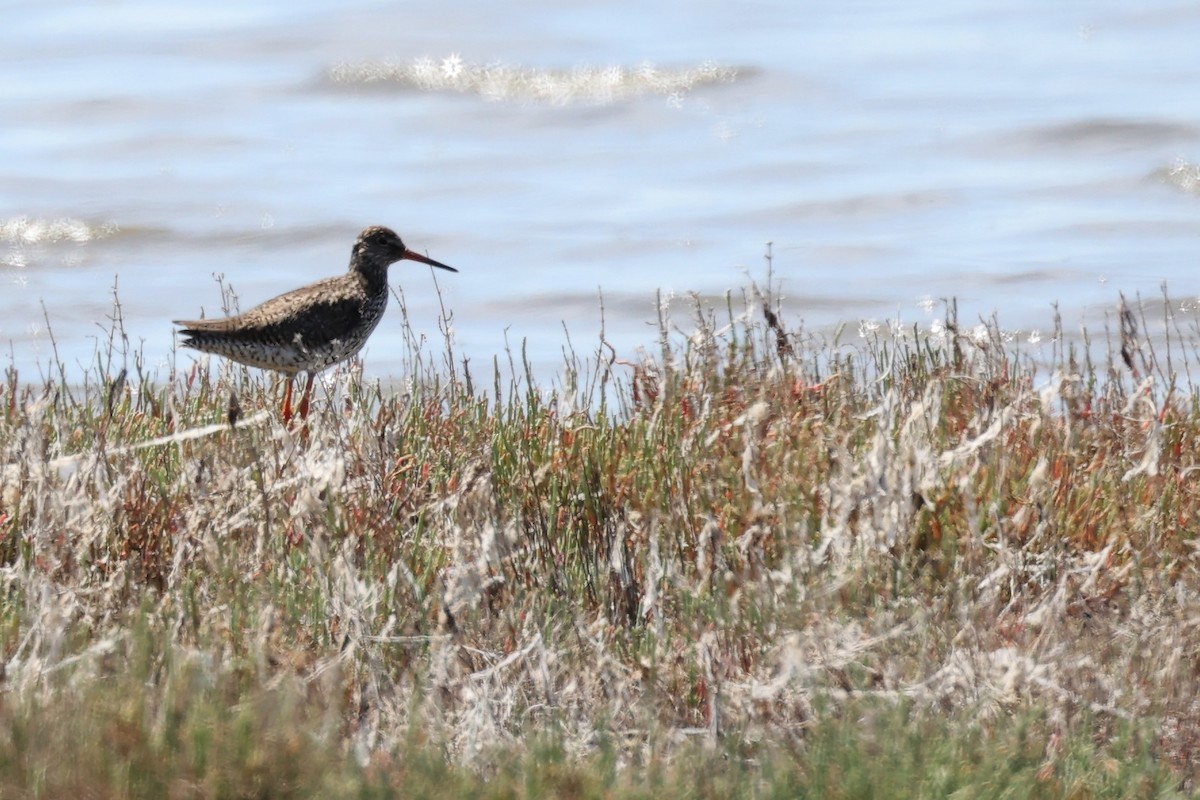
1013, 155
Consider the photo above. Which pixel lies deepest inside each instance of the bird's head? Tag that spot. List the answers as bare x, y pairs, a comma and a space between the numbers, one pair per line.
380, 245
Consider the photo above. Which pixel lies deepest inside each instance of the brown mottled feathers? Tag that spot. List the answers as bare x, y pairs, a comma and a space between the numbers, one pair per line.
315, 326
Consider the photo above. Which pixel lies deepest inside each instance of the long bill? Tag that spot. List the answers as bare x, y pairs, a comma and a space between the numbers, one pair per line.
413, 256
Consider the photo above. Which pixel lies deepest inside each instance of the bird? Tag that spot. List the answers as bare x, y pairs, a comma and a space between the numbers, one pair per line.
315, 326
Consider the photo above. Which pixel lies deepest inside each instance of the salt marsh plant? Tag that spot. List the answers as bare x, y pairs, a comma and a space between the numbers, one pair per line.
747, 562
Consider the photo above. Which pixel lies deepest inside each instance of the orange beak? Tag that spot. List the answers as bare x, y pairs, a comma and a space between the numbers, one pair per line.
412, 256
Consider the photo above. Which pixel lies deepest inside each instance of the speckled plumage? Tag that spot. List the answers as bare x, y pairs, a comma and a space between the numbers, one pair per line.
315, 326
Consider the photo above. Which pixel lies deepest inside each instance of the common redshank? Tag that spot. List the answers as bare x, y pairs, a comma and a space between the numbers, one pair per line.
315, 326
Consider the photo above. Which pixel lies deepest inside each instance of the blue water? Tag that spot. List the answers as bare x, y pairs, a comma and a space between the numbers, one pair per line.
1011, 154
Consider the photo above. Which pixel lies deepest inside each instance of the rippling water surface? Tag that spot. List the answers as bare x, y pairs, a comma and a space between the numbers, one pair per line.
1013, 155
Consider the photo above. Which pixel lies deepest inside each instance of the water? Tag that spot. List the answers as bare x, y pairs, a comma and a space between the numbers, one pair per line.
1010, 154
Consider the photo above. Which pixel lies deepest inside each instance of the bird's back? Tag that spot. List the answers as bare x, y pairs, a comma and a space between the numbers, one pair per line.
303, 330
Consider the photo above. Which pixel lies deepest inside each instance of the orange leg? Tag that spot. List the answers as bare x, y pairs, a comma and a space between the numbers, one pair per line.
287, 401
308, 388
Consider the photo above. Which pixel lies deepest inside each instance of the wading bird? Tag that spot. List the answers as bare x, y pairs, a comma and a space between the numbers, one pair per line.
315, 326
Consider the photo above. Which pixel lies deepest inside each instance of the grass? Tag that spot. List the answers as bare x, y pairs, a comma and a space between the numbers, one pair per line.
753, 564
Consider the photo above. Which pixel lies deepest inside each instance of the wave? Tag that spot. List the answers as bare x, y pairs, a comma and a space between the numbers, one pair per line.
1182, 175
27, 231
25, 237
504, 83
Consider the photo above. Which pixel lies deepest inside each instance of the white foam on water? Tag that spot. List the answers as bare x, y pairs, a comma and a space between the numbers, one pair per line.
505, 83
1182, 175
25, 235
27, 231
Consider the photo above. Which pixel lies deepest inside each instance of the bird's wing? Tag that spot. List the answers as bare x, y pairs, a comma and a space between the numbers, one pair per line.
331, 319
323, 311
